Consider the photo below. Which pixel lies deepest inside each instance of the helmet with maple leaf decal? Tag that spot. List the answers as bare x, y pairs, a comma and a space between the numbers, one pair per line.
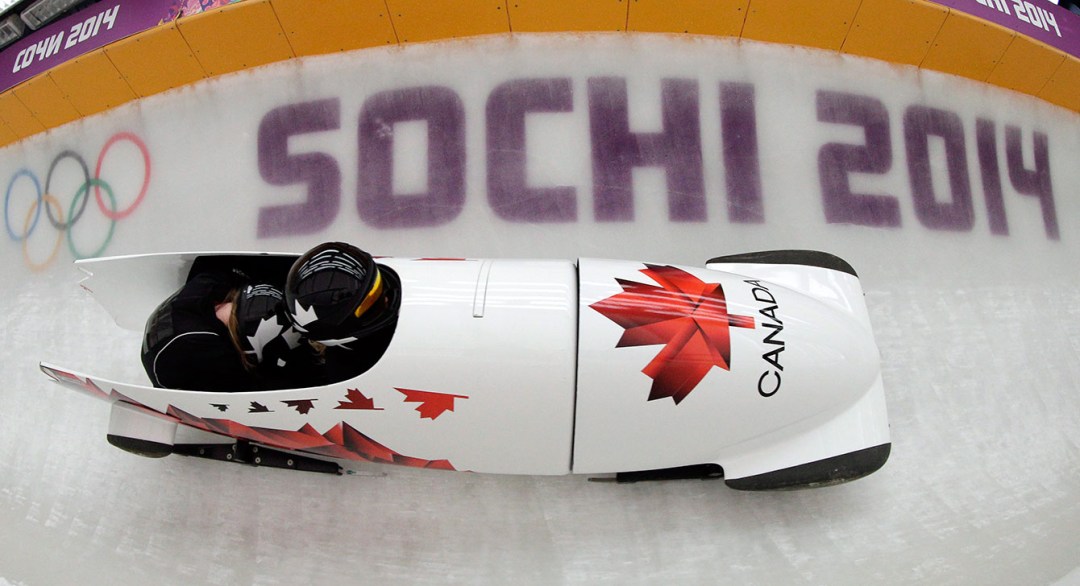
261, 328
335, 294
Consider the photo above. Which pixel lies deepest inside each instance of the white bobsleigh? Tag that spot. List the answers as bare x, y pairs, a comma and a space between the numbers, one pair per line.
760, 368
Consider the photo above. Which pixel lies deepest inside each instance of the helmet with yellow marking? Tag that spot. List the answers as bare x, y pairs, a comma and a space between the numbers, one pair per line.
333, 292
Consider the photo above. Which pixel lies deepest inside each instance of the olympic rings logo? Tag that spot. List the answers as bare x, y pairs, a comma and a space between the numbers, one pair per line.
54, 210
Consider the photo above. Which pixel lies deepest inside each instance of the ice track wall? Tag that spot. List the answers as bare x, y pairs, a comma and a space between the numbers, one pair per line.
956, 202
576, 139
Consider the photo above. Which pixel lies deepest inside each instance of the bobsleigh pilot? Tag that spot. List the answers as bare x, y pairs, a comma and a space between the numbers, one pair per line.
220, 333
345, 305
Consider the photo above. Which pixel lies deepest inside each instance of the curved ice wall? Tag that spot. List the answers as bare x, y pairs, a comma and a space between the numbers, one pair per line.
956, 201
554, 146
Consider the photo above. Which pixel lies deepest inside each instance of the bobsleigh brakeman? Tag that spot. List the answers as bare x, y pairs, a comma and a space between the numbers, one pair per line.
760, 368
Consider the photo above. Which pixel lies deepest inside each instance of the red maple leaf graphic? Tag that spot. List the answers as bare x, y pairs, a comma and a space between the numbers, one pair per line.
354, 399
432, 404
68, 379
685, 314
302, 406
340, 441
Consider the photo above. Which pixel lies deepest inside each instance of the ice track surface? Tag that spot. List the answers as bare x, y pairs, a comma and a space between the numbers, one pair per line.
979, 334
982, 486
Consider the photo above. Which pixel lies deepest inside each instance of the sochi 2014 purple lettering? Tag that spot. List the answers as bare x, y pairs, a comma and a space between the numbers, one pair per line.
318, 171
80, 32
509, 194
1032, 182
677, 149
444, 113
1026, 12
615, 151
921, 124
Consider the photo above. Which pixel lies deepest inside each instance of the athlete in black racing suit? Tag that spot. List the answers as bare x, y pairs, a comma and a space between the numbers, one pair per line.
229, 327
223, 331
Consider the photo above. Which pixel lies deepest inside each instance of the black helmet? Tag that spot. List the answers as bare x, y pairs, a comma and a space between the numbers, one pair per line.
331, 293
263, 330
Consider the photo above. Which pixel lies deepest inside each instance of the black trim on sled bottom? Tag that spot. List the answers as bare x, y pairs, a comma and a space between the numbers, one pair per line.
806, 258
698, 471
140, 447
245, 452
834, 470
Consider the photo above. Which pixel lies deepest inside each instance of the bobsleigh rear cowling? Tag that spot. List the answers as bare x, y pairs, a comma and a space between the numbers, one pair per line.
761, 368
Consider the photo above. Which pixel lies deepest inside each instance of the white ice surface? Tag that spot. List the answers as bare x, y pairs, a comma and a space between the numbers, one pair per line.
979, 334
982, 486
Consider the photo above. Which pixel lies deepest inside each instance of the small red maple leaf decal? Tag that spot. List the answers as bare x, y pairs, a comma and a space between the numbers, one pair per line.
432, 404
302, 406
685, 314
354, 399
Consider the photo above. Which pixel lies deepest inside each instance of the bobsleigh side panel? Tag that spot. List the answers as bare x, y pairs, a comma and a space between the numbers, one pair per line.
479, 376
501, 338
726, 360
